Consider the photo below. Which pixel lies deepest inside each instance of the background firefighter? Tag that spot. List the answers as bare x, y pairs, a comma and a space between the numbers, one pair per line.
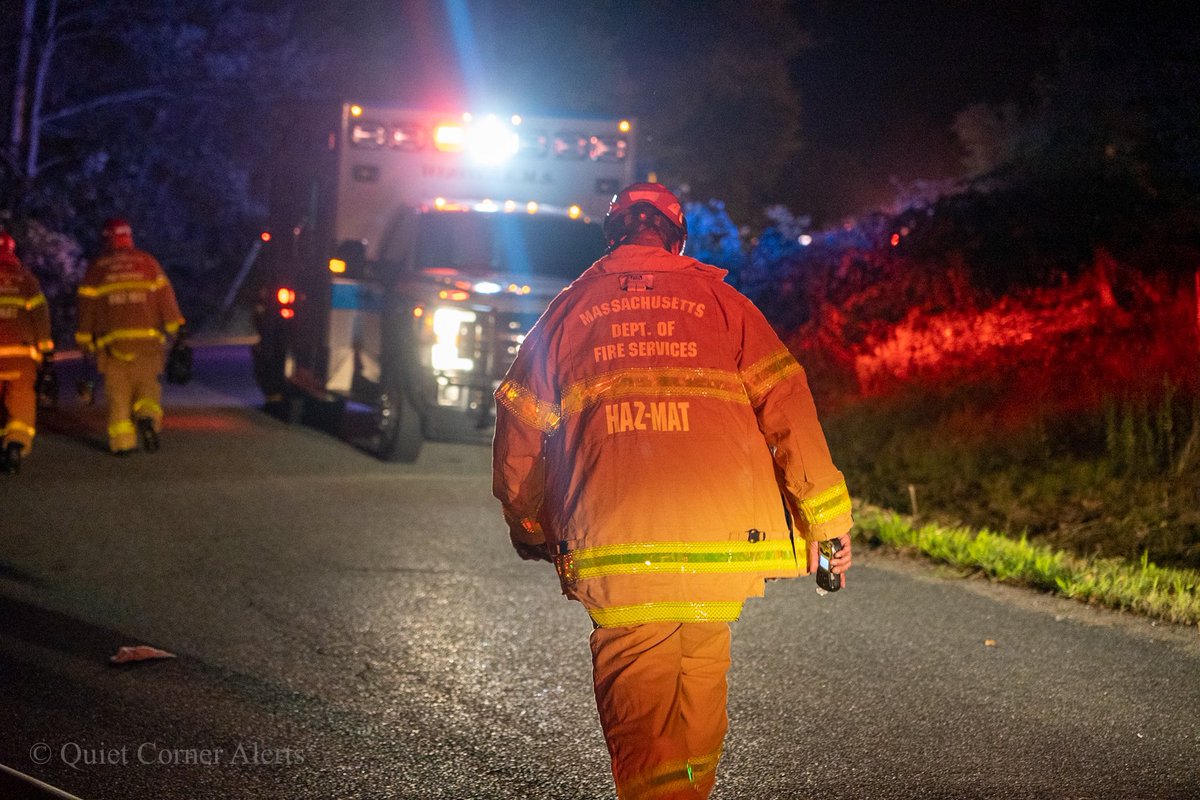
127, 309
644, 435
25, 343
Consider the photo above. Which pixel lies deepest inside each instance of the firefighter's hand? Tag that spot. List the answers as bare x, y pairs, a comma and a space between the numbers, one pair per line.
532, 552
838, 564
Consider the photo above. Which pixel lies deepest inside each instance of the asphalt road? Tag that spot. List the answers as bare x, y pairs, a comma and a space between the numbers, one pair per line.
346, 628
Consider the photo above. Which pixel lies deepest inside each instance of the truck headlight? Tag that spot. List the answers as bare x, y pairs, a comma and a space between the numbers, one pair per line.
449, 337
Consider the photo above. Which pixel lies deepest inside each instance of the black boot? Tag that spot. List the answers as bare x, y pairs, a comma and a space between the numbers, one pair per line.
148, 435
10, 464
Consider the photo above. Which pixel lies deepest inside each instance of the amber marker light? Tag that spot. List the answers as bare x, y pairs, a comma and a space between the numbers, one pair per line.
337, 266
285, 296
449, 138
531, 207
623, 126
574, 212
356, 111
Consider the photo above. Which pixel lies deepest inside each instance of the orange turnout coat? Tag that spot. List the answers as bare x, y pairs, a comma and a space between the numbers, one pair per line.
126, 307
24, 342
24, 315
650, 433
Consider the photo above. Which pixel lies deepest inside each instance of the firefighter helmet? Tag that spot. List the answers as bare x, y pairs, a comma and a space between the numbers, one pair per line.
118, 233
8, 245
640, 204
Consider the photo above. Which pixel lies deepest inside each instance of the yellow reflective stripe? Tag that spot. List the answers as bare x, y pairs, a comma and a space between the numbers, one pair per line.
14, 300
617, 616
525, 406
763, 374
667, 780
12, 350
121, 286
146, 404
658, 382
704, 764
16, 426
684, 558
38, 299
120, 334
118, 428
829, 504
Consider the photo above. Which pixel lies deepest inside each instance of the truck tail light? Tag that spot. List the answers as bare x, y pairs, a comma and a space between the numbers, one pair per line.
286, 298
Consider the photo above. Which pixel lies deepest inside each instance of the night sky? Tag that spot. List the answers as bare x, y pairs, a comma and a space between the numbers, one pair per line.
882, 81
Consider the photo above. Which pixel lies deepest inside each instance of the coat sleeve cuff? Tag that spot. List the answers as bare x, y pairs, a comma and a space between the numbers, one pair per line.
825, 514
526, 531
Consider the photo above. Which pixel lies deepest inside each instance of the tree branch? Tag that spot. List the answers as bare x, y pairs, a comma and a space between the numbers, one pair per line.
129, 96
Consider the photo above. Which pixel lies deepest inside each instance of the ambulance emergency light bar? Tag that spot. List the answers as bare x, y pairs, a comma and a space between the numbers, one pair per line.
573, 211
488, 139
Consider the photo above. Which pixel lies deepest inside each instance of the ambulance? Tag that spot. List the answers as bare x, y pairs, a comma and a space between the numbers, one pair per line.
429, 245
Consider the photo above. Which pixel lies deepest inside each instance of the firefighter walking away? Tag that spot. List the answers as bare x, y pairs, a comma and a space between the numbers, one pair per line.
127, 310
26, 349
644, 437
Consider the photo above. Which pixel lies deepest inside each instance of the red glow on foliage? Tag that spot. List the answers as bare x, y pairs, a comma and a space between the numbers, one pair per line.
1072, 345
1112, 332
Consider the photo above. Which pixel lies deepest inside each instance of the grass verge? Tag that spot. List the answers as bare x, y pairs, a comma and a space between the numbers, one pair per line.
1161, 592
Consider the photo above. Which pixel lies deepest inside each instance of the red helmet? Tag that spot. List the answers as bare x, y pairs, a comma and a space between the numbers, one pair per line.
8, 245
118, 233
652, 197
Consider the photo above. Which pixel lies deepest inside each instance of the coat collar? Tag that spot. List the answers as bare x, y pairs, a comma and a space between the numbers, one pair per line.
646, 258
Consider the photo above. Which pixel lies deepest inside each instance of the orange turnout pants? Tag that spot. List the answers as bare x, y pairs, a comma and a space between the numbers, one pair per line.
134, 393
660, 690
17, 378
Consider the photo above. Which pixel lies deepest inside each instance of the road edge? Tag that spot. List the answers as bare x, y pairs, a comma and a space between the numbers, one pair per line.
24, 786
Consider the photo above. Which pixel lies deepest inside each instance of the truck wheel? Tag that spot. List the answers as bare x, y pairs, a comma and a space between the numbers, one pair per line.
397, 426
293, 408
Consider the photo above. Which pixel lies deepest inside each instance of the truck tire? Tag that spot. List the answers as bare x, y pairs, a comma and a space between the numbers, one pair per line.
397, 426
293, 408
288, 406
